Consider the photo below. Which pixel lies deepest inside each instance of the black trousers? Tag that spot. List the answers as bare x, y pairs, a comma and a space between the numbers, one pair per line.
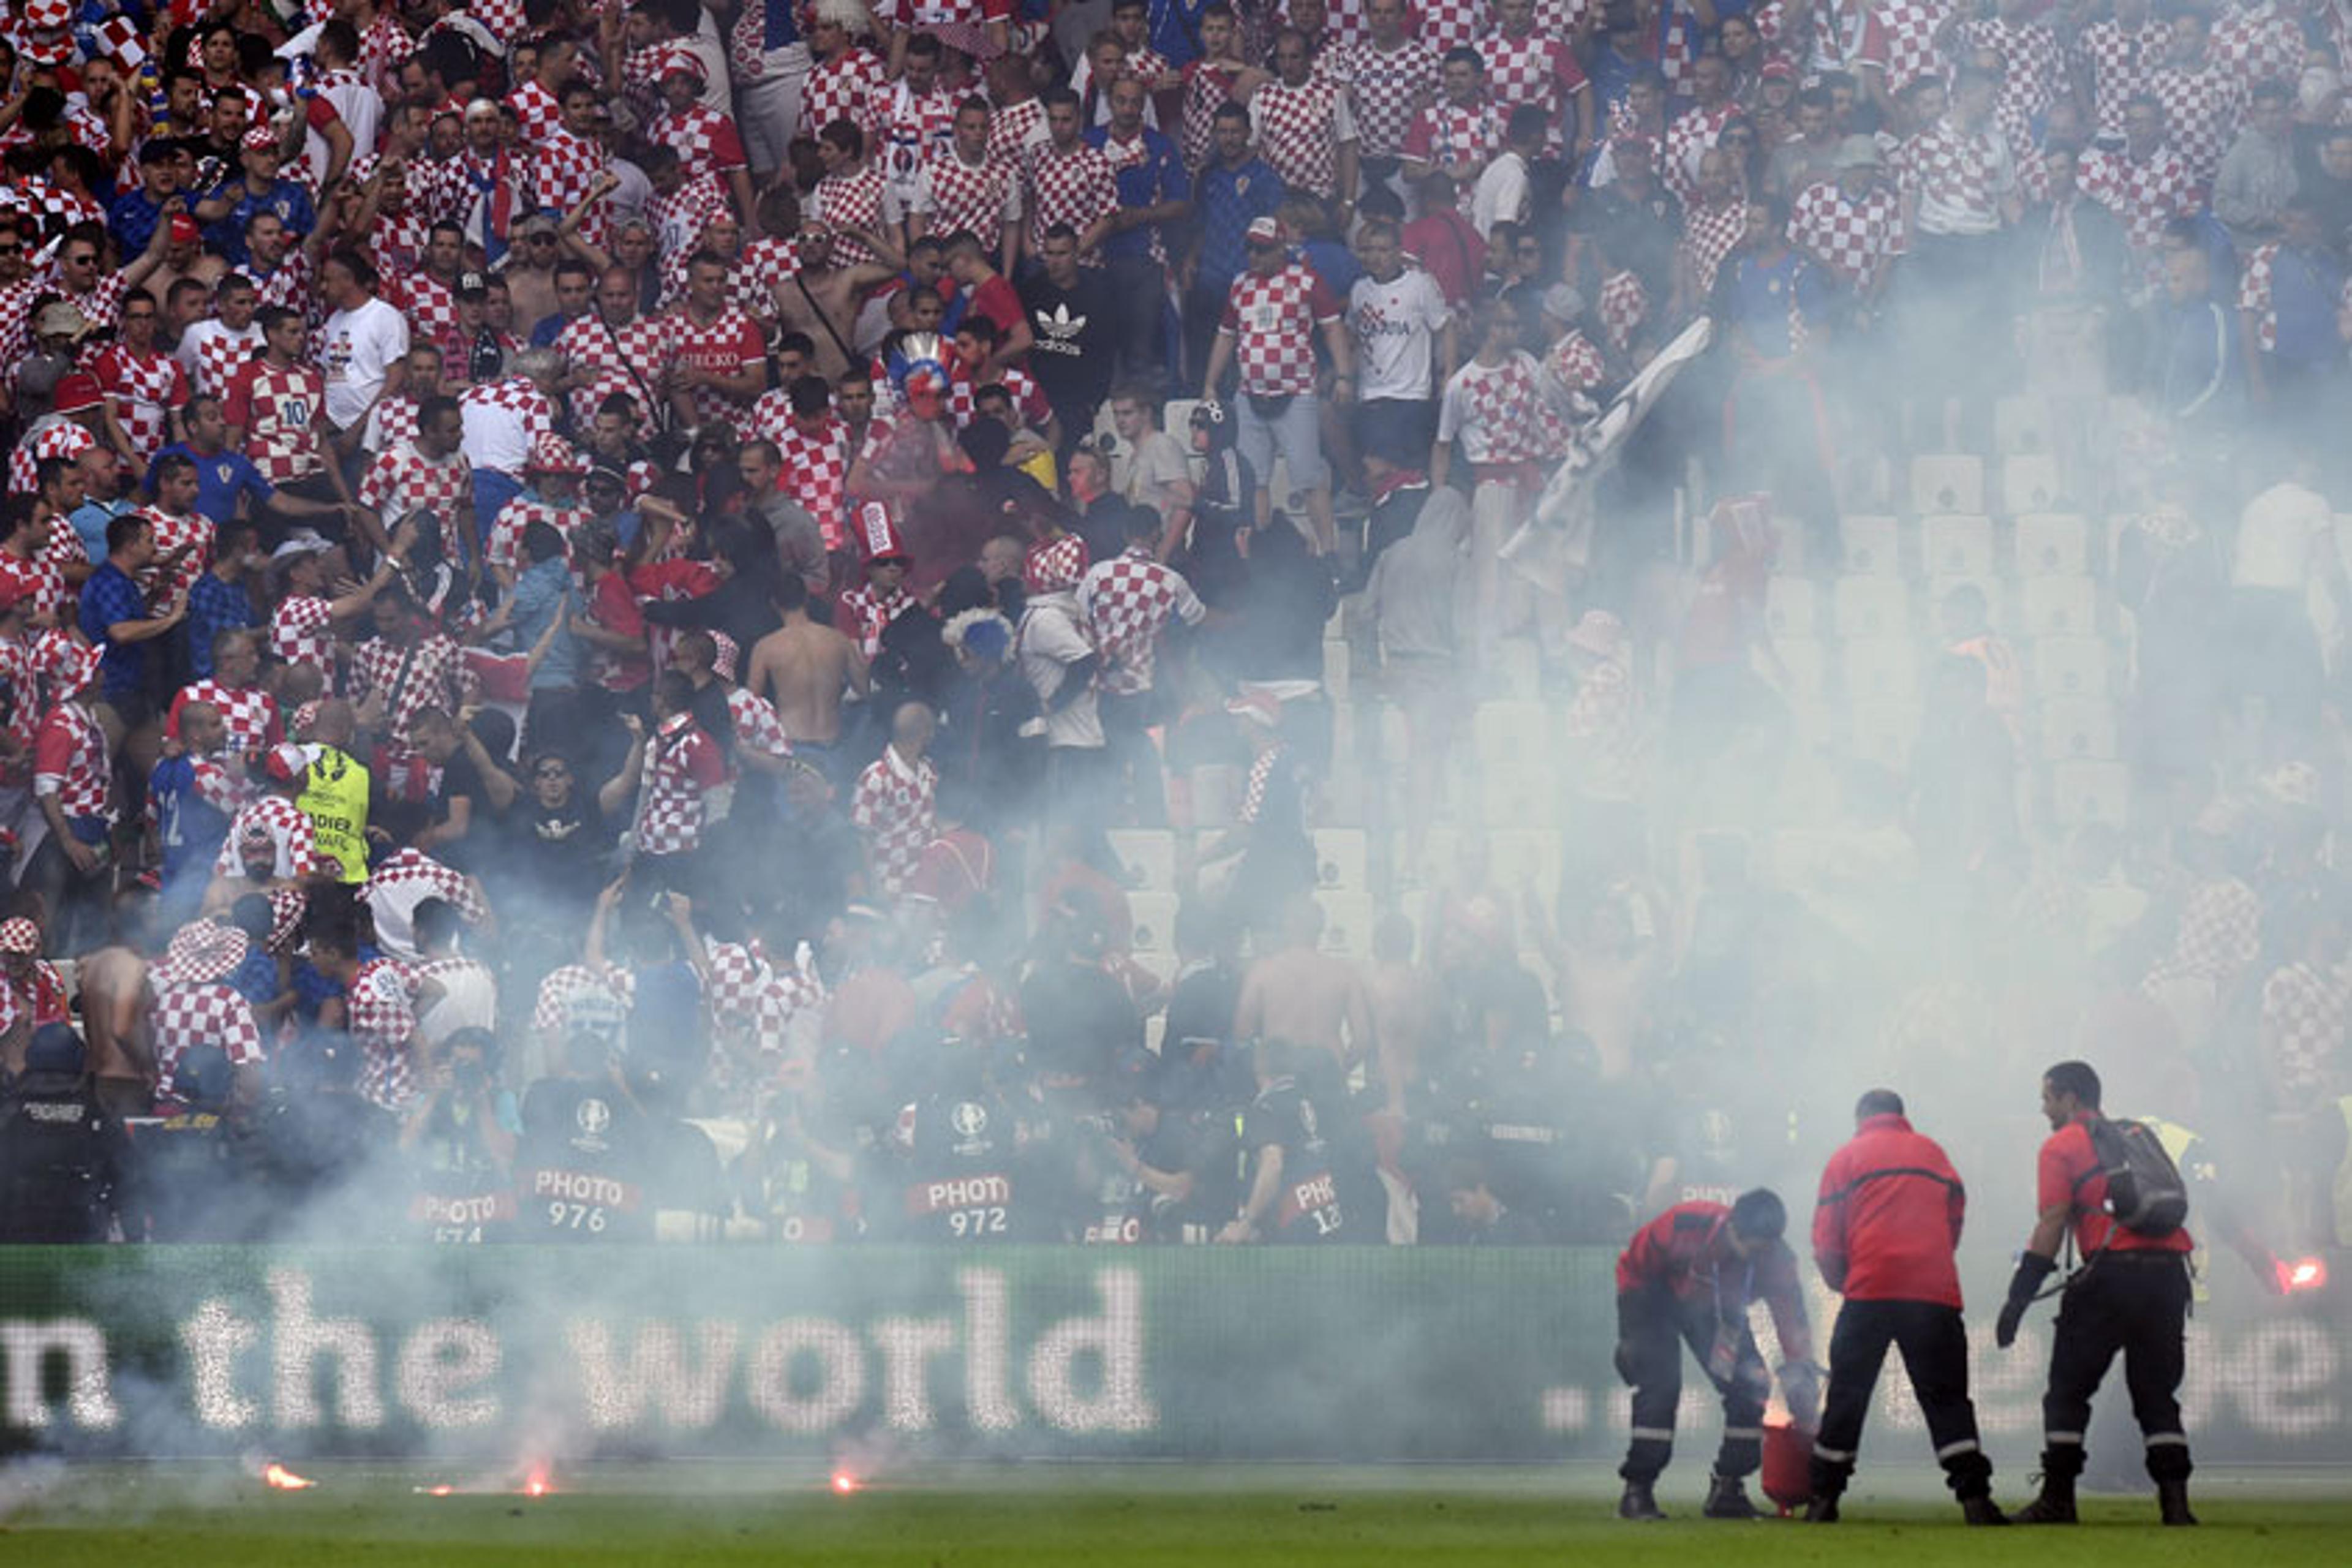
1131, 760
1935, 1349
1651, 1333
2136, 1303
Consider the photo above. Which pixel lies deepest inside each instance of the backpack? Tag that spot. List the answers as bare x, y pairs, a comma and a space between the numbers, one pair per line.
2144, 1193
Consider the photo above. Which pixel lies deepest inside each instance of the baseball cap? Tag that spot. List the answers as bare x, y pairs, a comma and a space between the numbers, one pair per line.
1561, 302
1264, 231
1858, 152
471, 285
536, 223
260, 139
60, 318
1778, 70
185, 230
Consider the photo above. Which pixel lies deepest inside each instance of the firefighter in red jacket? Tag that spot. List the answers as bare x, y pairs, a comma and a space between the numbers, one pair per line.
1884, 1228
2131, 1294
1687, 1277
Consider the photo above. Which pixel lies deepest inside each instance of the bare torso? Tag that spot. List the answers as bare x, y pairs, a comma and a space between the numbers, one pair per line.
1308, 999
803, 670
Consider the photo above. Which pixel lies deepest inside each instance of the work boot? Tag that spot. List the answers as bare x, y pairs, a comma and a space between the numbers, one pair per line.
1982, 1510
2054, 1506
1821, 1509
1639, 1503
2172, 1498
1726, 1498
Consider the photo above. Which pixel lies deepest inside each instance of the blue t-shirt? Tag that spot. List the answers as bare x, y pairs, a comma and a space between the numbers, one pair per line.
221, 477
1160, 177
109, 598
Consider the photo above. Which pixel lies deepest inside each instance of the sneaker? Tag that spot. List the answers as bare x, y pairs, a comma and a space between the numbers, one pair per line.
1639, 1503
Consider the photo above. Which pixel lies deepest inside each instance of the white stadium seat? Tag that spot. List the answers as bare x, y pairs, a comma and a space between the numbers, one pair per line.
1871, 546
2078, 729
1872, 607
2090, 792
1792, 607
1957, 545
2030, 482
2059, 606
2052, 544
2072, 667
1947, 482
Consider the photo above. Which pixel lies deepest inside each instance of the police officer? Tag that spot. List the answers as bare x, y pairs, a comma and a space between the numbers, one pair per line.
1885, 1227
2131, 1294
1687, 1277
62, 1157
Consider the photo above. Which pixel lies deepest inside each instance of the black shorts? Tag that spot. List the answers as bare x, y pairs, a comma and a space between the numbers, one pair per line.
1401, 429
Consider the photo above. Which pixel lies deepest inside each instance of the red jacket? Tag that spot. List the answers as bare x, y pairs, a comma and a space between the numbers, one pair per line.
1686, 1252
1889, 1217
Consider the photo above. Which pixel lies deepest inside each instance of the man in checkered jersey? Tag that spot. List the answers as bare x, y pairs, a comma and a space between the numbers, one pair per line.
380, 1000
233, 690
1528, 64
1391, 76
615, 349
893, 803
2113, 56
1069, 182
2146, 183
1853, 225
681, 771
1271, 317
705, 140
1304, 125
194, 1005
962, 190
1960, 191
1128, 602
212, 350
2202, 100
427, 473
847, 80
273, 817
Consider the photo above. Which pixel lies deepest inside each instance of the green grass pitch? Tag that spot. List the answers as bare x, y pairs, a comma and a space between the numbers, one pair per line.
684, 1515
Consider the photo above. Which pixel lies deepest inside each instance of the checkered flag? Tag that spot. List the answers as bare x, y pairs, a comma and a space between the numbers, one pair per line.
120, 37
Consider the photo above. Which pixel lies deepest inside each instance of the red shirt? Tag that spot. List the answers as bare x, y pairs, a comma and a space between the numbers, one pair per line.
1888, 1216
1685, 1252
2070, 1177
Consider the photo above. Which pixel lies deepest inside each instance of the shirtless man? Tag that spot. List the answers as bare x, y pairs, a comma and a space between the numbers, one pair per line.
113, 982
1304, 995
802, 669
822, 300
1403, 1008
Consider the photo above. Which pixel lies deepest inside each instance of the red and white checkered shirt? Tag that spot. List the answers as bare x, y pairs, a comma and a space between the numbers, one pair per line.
302, 631
1273, 322
1710, 233
2304, 1012
849, 86
189, 1016
680, 219
1294, 131
1693, 131
503, 549
1540, 69
1910, 28
403, 479
1458, 134
893, 808
757, 727
384, 46
1076, 188
868, 616
278, 410
681, 765
565, 166
2201, 110
1028, 397
192, 534
1445, 23
816, 467
551, 1011
1500, 413
537, 112
859, 201
630, 360
1261, 780
2116, 61
291, 285
1575, 364
2033, 70
1389, 87
917, 127
728, 343
2220, 934
379, 1012
1958, 178
1208, 86
954, 196
1016, 130
705, 140
2260, 43
1128, 601
2144, 193
432, 675
249, 713
288, 827
1852, 239
431, 306
212, 354
71, 761
141, 389
61, 439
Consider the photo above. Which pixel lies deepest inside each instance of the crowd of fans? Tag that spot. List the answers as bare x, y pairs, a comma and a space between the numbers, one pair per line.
931, 622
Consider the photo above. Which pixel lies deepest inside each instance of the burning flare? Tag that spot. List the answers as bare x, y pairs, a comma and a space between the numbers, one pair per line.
536, 1484
2303, 1274
278, 1476
843, 1483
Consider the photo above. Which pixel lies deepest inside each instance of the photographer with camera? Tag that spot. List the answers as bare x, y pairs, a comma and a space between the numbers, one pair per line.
460, 1137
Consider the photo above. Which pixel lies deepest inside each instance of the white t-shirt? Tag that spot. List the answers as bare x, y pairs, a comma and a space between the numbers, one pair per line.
1501, 195
2277, 533
362, 346
1051, 640
1394, 324
496, 437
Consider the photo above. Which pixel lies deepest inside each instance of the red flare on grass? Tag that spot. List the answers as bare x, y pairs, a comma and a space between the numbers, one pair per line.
2303, 1274
279, 1476
845, 1484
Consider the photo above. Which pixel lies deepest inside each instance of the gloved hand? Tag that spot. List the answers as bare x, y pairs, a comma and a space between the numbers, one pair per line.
1801, 1386
2032, 1268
